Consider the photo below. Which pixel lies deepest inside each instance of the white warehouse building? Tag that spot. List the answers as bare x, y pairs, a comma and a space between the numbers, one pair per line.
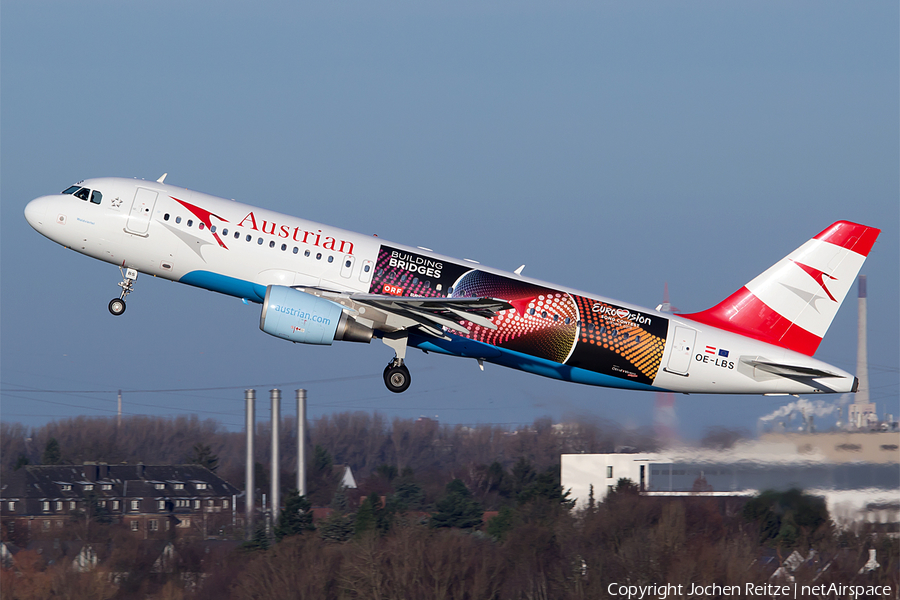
857, 474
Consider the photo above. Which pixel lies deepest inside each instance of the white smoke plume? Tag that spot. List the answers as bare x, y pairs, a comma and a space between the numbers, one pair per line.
814, 408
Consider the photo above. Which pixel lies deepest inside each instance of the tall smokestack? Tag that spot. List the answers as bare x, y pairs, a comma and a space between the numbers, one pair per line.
301, 442
275, 395
858, 413
250, 475
862, 362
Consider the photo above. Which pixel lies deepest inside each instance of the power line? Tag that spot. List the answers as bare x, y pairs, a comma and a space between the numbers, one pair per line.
22, 388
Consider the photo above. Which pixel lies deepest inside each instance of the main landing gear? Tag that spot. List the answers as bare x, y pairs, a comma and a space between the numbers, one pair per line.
396, 375
117, 305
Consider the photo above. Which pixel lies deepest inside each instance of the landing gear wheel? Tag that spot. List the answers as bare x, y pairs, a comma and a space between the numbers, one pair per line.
396, 378
117, 306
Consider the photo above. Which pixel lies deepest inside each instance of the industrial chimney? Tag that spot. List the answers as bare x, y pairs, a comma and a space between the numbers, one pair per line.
301, 442
250, 476
859, 411
275, 396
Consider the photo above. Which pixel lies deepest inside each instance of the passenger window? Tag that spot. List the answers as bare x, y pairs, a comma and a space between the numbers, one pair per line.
543, 314
296, 249
96, 197
637, 339
306, 253
212, 228
200, 226
249, 237
237, 235
283, 247
530, 311
366, 268
178, 219
166, 217
190, 223
272, 244
330, 259
415, 281
224, 232
259, 241
318, 256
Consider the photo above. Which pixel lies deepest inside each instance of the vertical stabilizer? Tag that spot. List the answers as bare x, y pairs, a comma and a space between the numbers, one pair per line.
793, 303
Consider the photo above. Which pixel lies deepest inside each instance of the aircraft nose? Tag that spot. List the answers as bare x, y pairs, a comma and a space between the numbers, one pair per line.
36, 211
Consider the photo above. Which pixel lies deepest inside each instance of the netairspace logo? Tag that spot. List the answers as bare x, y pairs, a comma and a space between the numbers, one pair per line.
748, 590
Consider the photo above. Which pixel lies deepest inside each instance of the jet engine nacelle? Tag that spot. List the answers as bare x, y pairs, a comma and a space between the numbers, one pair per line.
303, 318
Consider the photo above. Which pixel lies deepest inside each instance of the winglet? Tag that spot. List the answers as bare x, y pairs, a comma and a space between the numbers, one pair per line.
162, 179
519, 270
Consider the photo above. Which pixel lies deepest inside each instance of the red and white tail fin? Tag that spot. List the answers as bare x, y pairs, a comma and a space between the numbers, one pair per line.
793, 303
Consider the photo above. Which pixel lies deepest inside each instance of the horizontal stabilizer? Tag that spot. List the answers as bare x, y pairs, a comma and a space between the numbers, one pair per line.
787, 370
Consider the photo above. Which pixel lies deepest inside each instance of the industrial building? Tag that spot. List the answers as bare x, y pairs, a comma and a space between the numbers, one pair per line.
858, 474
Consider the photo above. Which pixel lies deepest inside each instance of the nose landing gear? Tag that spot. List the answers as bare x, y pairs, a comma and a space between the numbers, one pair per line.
117, 305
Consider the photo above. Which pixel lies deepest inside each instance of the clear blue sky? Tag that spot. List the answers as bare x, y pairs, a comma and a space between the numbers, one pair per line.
608, 146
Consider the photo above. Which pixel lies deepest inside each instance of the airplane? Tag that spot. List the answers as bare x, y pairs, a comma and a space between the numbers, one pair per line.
318, 284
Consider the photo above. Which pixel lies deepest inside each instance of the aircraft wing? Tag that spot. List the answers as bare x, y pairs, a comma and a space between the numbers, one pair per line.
432, 314
429, 315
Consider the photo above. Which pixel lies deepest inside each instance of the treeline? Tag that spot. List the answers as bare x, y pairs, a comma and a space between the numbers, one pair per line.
364, 441
537, 548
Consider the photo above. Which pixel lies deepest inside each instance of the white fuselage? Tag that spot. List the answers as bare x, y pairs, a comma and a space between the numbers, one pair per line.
239, 249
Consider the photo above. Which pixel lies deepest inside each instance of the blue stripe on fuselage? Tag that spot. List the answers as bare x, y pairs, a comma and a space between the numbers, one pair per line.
458, 346
225, 285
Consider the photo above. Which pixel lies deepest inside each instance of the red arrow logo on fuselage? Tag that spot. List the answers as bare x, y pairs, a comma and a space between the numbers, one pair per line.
203, 215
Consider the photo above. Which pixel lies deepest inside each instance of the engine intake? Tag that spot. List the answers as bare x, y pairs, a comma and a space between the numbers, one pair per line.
306, 319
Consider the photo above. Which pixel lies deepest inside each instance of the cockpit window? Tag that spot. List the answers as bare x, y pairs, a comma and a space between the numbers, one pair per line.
84, 193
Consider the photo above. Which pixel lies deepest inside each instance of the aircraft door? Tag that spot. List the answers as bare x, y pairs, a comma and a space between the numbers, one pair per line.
682, 348
141, 210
